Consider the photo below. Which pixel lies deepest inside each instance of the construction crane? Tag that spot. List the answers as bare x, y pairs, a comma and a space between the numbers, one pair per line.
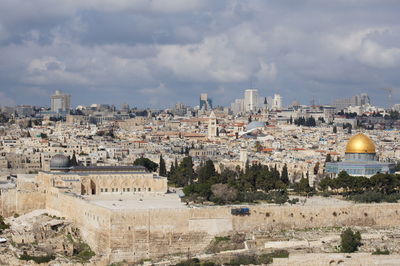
390, 95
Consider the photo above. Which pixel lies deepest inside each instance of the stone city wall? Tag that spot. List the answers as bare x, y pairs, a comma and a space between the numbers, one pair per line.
15, 201
93, 221
133, 235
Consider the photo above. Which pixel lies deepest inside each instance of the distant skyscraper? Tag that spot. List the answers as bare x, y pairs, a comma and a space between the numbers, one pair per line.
205, 102
277, 102
125, 107
60, 102
357, 100
237, 106
250, 100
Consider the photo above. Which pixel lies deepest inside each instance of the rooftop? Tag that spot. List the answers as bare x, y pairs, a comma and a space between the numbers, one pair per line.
137, 202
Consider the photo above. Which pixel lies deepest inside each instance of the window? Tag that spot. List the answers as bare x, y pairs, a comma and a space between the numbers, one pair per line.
106, 189
149, 189
116, 190
112, 190
101, 190
138, 189
123, 190
134, 189
127, 189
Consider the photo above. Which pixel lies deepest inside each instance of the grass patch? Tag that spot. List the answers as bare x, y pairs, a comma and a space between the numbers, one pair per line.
81, 250
280, 254
373, 196
37, 259
381, 252
325, 229
266, 258
240, 259
223, 243
222, 238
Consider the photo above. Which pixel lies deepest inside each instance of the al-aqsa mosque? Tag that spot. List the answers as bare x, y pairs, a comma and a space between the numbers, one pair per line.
360, 159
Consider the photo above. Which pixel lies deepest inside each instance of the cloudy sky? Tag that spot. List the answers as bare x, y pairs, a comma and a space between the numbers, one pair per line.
158, 52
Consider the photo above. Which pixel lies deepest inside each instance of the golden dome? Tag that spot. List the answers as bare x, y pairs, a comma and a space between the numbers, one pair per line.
360, 143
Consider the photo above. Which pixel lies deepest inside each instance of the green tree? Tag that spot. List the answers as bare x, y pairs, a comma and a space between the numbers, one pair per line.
328, 158
73, 160
303, 186
162, 169
385, 183
206, 172
343, 180
350, 241
316, 168
325, 183
149, 164
183, 174
171, 170
285, 175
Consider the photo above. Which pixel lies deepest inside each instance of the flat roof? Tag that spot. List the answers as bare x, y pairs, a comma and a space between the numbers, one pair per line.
107, 168
137, 201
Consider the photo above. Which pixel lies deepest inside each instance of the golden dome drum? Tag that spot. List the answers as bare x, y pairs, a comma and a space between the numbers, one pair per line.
360, 143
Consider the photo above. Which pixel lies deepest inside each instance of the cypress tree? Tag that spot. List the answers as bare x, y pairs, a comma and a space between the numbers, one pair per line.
73, 161
285, 175
162, 170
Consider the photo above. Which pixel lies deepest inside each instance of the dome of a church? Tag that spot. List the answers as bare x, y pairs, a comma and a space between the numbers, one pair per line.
59, 162
360, 143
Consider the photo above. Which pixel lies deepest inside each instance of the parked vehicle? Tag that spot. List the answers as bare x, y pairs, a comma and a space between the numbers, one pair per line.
240, 211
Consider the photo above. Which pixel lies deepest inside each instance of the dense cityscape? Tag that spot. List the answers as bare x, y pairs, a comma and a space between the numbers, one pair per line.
256, 151
199, 133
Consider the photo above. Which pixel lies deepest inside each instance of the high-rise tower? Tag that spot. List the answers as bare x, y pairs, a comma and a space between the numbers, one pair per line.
60, 102
250, 100
205, 102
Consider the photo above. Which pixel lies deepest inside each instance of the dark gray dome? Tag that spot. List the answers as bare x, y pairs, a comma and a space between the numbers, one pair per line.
59, 162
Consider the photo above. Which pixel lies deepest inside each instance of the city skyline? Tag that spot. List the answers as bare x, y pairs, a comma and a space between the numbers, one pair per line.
153, 54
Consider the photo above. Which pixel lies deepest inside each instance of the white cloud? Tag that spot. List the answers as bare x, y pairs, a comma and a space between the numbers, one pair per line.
156, 95
361, 46
267, 72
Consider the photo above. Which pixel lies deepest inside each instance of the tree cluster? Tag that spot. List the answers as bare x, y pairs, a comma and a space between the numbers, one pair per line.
257, 182
309, 122
149, 164
380, 187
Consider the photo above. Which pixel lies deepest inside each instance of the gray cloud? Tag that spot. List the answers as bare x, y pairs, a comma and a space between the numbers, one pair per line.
162, 51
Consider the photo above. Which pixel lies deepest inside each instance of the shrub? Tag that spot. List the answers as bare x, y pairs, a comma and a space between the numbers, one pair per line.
222, 238
243, 260
293, 201
381, 252
350, 241
3, 225
37, 259
190, 262
373, 196
280, 253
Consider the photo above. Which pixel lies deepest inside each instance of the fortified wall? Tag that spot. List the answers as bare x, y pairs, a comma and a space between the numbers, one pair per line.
137, 234
133, 235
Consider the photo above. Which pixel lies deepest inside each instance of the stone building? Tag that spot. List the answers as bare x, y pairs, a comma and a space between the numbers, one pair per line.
96, 180
360, 159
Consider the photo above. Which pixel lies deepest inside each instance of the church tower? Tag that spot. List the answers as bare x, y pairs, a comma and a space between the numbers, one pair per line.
212, 126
